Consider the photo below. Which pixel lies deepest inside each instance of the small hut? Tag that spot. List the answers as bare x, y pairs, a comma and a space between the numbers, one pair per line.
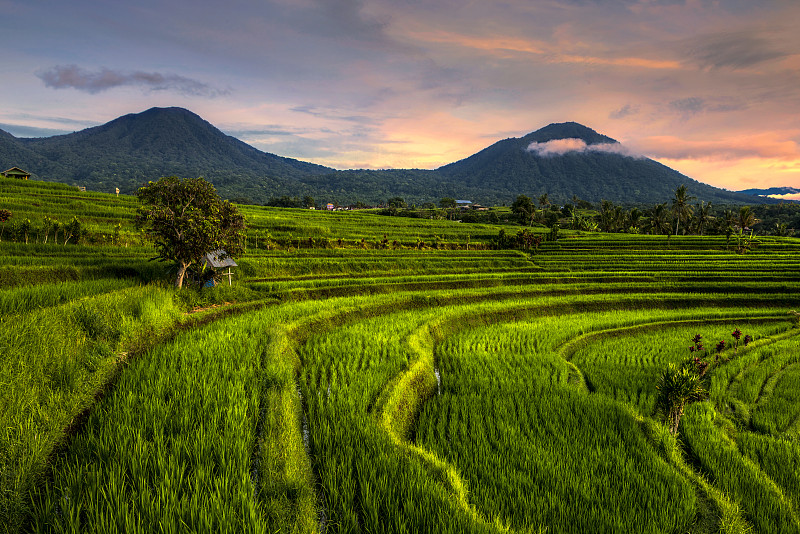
16, 172
219, 259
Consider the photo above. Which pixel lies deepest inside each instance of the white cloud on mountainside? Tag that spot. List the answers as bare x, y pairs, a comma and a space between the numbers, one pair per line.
559, 147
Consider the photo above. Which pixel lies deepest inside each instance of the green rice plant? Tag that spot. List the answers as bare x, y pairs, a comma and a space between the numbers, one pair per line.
476, 375
338, 385
747, 377
27, 299
778, 410
764, 503
625, 362
152, 457
778, 458
52, 363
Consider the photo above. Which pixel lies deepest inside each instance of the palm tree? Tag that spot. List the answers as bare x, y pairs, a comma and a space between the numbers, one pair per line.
659, 219
608, 216
677, 387
634, 218
703, 217
544, 201
746, 217
681, 207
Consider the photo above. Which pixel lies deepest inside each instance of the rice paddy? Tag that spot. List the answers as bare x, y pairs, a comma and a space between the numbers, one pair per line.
372, 386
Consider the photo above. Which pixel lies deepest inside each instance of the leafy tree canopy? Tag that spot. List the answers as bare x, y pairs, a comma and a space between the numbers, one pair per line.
396, 202
524, 209
187, 219
448, 202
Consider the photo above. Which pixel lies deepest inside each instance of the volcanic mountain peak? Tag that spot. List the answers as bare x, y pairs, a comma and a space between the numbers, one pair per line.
567, 130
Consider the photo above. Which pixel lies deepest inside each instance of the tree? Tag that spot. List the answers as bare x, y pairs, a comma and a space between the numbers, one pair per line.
782, 230
5, 215
634, 220
396, 203
449, 205
703, 217
659, 220
611, 216
677, 387
746, 218
308, 201
447, 202
56, 225
681, 207
25, 228
524, 209
47, 225
74, 229
544, 201
187, 219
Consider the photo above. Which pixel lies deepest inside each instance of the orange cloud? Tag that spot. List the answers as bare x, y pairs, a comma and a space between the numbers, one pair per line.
480, 43
636, 62
503, 45
771, 145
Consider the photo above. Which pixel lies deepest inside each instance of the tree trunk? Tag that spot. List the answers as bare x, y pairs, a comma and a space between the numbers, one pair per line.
675, 418
181, 272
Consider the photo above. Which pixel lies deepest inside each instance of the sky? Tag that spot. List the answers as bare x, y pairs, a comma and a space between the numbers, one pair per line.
710, 88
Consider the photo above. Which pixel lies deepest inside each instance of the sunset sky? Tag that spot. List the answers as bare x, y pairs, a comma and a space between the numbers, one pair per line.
710, 88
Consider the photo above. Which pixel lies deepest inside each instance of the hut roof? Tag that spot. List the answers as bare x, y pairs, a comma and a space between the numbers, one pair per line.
219, 258
15, 171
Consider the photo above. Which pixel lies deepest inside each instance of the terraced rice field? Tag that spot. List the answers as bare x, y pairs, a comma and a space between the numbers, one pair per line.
406, 390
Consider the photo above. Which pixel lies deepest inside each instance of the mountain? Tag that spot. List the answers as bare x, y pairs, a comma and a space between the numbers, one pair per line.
779, 191
568, 159
135, 148
562, 160
14, 153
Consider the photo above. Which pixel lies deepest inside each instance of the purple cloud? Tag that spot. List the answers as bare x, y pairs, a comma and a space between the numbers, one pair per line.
72, 76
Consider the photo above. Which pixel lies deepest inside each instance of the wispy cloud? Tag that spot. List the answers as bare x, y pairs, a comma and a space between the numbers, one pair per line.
688, 106
694, 105
559, 147
75, 77
625, 111
502, 46
333, 114
735, 50
632, 62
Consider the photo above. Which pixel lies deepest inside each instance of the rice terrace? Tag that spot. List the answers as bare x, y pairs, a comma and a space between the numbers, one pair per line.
364, 372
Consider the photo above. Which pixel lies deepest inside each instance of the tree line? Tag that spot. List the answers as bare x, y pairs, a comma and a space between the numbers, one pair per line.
680, 216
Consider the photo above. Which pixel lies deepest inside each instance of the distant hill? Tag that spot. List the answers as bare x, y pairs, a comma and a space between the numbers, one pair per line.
562, 160
779, 191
